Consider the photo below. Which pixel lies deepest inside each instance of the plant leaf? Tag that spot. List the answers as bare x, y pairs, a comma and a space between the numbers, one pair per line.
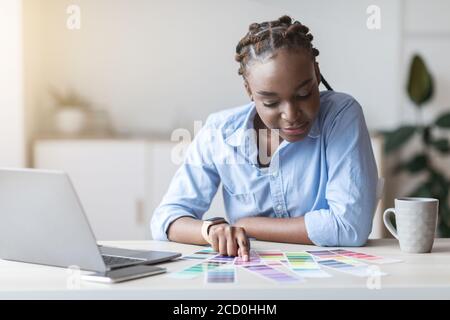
444, 229
444, 213
444, 120
439, 188
416, 164
426, 135
396, 138
420, 82
441, 145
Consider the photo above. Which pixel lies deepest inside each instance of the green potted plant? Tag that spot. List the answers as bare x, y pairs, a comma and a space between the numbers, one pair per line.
420, 90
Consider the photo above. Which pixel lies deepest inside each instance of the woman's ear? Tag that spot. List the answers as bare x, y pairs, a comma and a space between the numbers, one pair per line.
247, 88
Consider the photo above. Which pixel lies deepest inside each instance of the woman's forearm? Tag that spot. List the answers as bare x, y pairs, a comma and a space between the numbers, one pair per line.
291, 230
186, 230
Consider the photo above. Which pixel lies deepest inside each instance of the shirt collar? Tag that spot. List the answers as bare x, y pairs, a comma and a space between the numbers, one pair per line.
235, 132
315, 129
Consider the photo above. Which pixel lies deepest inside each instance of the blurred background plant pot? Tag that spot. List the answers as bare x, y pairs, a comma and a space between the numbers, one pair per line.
71, 120
71, 112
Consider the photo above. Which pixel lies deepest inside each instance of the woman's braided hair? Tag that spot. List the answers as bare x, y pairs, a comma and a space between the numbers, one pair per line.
264, 38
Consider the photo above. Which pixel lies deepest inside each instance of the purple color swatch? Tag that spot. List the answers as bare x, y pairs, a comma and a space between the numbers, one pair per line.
271, 273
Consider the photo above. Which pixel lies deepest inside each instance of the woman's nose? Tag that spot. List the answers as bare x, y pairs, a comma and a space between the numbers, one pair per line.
290, 113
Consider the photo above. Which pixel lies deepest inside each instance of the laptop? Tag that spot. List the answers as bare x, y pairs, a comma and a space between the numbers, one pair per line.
42, 221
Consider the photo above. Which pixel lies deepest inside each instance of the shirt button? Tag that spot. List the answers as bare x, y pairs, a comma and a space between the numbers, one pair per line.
279, 207
275, 174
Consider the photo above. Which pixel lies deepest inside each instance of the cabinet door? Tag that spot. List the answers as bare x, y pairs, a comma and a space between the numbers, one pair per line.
109, 177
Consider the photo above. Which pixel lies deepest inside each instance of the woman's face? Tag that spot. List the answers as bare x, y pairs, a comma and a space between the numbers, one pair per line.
285, 89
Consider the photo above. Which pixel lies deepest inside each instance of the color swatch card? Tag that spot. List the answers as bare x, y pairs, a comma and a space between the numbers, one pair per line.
305, 265
196, 270
224, 274
276, 263
271, 255
327, 254
333, 260
332, 254
350, 261
227, 259
322, 254
365, 257
253, 259
273, 274
203, 254
349, 266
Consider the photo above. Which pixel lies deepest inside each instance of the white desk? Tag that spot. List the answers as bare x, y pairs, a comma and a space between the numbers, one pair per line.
424, 276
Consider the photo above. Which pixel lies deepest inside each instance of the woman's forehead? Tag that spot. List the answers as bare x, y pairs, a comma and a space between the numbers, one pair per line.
285, 68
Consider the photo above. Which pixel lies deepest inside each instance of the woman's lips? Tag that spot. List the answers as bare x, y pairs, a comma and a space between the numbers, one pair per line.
297, 130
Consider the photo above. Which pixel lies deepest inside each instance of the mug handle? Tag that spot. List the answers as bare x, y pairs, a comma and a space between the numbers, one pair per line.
388, 223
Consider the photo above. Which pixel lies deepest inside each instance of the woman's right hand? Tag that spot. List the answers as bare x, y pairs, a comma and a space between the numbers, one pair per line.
229, 240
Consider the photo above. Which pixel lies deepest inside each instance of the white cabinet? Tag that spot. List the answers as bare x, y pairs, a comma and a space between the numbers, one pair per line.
110, 179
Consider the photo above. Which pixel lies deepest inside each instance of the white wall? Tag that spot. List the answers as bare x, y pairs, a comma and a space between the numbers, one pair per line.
11, 99
160, 64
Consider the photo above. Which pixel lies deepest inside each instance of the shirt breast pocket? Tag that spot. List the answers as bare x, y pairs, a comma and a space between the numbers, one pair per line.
243, 204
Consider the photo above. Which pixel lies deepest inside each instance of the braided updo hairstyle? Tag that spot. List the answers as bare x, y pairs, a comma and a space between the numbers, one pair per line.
266, 37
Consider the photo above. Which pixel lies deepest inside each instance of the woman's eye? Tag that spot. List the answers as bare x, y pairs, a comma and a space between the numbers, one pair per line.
270, 104
303, 96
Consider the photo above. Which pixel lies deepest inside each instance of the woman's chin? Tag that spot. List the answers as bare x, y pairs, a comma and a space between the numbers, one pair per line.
294, 138
290, 138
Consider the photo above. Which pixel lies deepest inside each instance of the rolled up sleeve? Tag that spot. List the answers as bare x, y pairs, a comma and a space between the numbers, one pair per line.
192, 188
351, 186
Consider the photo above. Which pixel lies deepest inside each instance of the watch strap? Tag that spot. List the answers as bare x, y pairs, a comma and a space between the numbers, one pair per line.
206, 225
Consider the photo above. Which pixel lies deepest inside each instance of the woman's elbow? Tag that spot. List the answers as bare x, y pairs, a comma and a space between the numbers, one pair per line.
157, 229
355, 234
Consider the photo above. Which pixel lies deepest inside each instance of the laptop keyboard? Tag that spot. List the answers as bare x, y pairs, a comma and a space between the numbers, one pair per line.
112, 260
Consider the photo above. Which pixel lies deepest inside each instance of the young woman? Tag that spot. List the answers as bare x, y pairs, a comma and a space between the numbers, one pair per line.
307, 176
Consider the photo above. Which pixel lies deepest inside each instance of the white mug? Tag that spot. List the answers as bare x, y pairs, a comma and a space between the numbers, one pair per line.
416, 220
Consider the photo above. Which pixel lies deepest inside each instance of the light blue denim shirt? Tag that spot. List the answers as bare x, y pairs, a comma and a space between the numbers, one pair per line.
330, 177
